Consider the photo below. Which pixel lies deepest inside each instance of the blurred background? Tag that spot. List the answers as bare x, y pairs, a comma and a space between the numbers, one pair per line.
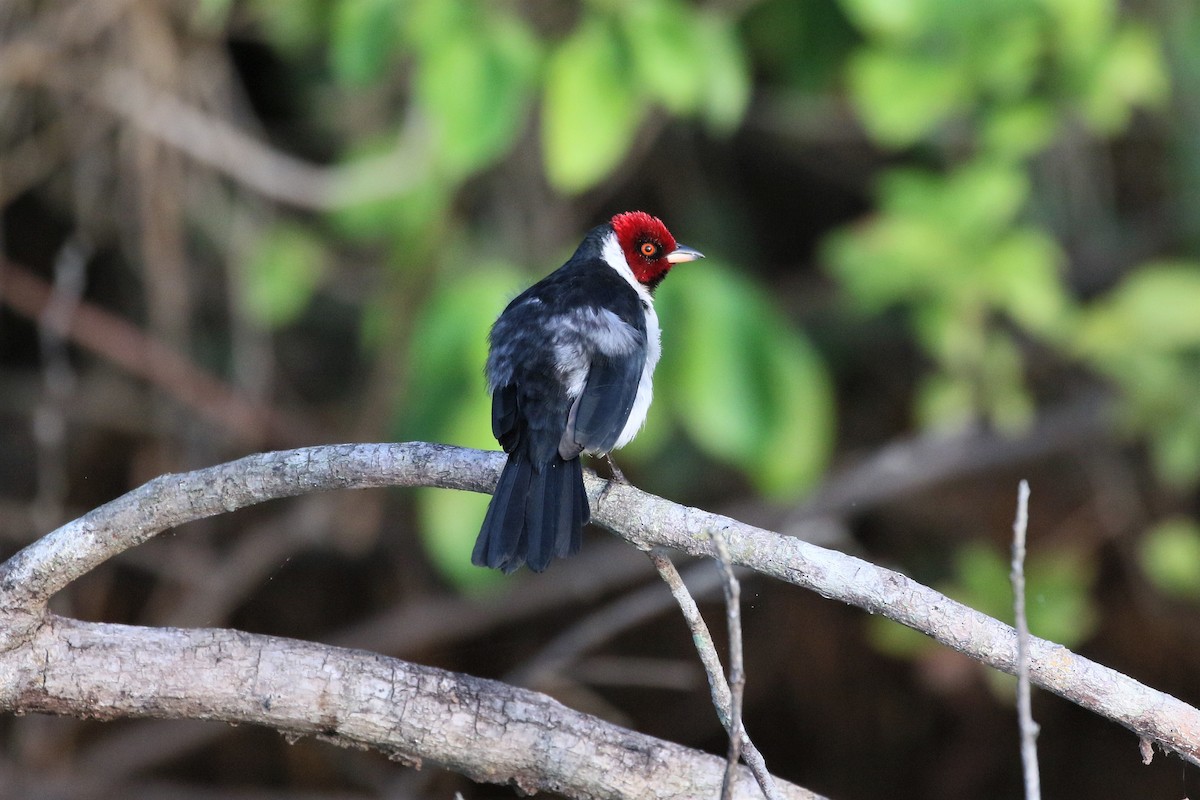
951, 245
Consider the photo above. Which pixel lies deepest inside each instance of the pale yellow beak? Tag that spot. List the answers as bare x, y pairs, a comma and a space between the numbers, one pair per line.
683, 253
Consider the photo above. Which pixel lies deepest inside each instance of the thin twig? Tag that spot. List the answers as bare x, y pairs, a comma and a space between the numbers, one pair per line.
58, 381
701, 637
1029, 728
737, 669
130, 348
722, 699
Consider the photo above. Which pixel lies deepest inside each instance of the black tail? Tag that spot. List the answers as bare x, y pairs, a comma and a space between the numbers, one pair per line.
537, 513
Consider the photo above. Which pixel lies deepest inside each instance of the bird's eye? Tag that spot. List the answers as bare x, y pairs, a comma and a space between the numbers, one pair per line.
649, 250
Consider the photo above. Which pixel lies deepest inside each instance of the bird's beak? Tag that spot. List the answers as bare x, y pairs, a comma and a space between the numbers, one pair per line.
683, 253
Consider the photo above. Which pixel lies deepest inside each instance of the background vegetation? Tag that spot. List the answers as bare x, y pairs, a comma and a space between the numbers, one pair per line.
950, 244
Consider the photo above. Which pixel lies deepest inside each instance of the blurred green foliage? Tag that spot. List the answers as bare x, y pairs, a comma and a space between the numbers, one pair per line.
984, 88
1170, 557
965, 98
744, 385
282, 273
951, 248
1145, 336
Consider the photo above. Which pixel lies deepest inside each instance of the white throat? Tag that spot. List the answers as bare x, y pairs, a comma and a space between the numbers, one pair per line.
614, 256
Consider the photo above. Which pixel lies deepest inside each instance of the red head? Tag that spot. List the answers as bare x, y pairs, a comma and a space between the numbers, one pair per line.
649, 247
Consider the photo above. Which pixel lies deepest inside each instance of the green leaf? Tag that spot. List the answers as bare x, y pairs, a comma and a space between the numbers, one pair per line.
363, 38
726, 69
1021, 275
1007, 403
798, 396
450, 519
945, 402
591, 109
1058, 587
974, 200
1170, 556
1154, 308
1175, 436
1058, 596
1019, 130
212, 14
1130, 72
660, 36
898, 20
982, 197
892, 258
448, 351
896, 640
800, 46
428, 22
1081, 27
282, 274
476, 86
746, 387
952, 333
1007, 53
449, 523
294, 26
902, 97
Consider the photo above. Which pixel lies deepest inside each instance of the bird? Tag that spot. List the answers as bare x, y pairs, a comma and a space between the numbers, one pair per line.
569, 368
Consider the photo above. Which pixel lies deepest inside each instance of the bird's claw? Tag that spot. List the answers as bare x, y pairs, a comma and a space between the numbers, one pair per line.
617, 475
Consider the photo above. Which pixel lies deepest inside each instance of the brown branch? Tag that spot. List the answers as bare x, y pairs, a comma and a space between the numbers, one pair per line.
486, 730
723, 699
128, 347
220, 145
737, 670
29, 578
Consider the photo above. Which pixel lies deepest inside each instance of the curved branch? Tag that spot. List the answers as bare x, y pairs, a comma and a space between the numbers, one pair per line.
29, 578
486, 730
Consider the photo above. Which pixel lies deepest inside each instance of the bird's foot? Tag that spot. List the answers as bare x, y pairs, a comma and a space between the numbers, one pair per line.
617, 475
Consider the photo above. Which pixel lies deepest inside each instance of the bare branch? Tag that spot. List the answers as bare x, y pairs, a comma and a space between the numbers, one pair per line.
486, 730
723, 699
46, 566
650, 521
1029, 728
701, 637
127, 346
737, 669
218, 144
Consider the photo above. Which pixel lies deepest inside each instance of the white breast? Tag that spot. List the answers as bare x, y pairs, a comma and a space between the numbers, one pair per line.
645, 392
615, 257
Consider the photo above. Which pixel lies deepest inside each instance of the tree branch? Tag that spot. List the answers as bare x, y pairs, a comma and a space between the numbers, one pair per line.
128, 347
486, 730
29, 578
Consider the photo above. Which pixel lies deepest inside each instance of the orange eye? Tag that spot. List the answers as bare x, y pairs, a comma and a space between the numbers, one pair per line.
649, 250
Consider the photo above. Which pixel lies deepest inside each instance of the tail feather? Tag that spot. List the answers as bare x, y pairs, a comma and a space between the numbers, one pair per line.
535, 515
573, 515
539, 515
500, 536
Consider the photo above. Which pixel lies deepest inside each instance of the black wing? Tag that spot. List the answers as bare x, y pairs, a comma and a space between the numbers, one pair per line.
505, 425
601, 411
